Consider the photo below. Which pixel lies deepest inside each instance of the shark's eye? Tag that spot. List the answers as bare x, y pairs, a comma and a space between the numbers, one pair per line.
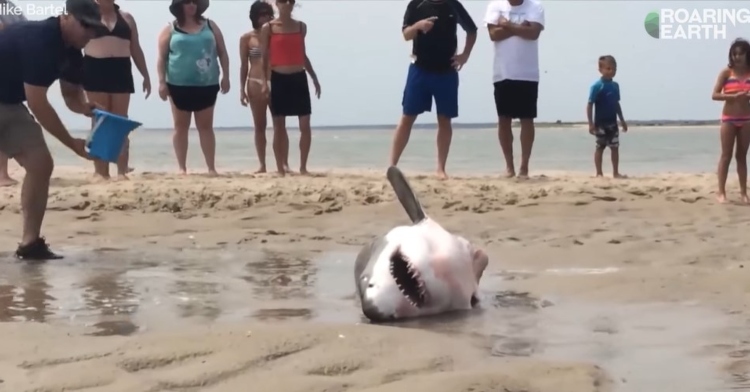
407, 279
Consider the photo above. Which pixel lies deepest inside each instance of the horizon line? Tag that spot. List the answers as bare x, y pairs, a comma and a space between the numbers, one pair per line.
542, 124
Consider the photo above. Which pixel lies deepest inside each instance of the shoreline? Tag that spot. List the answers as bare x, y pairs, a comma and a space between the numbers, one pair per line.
645, 124
82, 172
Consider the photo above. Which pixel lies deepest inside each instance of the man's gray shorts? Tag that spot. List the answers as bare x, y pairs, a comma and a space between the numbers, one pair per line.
19, 131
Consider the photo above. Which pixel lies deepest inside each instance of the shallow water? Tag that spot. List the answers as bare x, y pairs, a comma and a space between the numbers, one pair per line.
656, 347
664, 149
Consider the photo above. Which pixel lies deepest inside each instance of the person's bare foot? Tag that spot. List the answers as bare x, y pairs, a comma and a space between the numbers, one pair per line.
721, 198
182, 172
618, 175
122, 177
261, 170
510, 173
599, 175
7, 181
213, 173
303, 171
280, 173
442, 175
96, 178
745, 199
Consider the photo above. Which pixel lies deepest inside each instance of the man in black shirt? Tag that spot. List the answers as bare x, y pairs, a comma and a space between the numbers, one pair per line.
34, 55
431, 26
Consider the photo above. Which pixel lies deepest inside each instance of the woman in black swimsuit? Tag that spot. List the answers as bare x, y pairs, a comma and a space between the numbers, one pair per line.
107, 73
6, 19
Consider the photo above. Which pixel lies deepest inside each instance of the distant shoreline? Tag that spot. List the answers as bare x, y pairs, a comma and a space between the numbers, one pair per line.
556, 124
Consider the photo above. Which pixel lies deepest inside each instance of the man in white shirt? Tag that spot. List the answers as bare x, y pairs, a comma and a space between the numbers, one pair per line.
514, 27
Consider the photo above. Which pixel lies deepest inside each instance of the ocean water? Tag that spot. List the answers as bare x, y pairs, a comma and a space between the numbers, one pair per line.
643, 150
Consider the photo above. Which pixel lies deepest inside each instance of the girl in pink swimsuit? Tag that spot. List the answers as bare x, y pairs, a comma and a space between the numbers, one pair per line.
733, 87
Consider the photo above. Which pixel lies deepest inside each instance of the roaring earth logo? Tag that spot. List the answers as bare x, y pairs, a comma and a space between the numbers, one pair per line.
652, 24
704, 24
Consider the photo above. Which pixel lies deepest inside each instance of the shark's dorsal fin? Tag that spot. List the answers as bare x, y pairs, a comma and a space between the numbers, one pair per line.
405, 195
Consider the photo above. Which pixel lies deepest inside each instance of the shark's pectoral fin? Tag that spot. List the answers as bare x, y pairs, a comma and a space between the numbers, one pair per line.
479, 262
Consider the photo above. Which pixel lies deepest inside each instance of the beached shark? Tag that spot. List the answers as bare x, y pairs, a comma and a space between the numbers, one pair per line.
417, 270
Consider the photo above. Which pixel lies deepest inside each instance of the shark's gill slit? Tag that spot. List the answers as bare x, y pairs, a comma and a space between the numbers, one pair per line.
407, 279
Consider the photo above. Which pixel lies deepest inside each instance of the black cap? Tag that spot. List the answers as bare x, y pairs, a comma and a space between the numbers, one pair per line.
202, 6
87, 12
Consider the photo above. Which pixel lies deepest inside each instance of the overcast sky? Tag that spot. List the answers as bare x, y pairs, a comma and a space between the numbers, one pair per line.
361, 59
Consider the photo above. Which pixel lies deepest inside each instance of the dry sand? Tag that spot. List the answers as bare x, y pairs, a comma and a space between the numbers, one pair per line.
656, 240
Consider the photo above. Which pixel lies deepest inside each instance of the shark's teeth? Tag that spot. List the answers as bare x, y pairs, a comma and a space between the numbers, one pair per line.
415, 277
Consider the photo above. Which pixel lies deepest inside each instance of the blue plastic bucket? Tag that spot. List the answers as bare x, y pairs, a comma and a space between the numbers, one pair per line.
108, 135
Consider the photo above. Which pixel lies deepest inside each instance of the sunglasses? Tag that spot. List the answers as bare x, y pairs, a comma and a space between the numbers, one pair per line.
285, 1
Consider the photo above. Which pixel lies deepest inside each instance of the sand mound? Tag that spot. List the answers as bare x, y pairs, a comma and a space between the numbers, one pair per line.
332, 192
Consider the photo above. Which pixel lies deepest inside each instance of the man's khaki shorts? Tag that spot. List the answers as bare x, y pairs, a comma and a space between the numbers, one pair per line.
19, 131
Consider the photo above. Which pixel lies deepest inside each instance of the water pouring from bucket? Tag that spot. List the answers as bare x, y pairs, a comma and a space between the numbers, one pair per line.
108, 135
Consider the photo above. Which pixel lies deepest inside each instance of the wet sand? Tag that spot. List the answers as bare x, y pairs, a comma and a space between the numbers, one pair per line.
216, 284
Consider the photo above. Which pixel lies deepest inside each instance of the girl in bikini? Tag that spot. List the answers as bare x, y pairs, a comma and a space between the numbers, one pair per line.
251, 76
733, 87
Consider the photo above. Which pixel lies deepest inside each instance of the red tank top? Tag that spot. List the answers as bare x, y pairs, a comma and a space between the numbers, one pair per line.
287, 49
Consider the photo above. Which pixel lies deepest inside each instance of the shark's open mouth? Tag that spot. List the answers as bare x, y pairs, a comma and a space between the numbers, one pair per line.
408, 279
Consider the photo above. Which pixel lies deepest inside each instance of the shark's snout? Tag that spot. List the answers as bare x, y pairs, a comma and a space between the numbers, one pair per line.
408, 279
372, 312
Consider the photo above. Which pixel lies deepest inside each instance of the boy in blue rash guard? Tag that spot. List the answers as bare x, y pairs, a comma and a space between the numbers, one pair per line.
602, 111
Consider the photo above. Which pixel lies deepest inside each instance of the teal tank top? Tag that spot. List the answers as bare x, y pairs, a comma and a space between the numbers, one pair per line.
193, 58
